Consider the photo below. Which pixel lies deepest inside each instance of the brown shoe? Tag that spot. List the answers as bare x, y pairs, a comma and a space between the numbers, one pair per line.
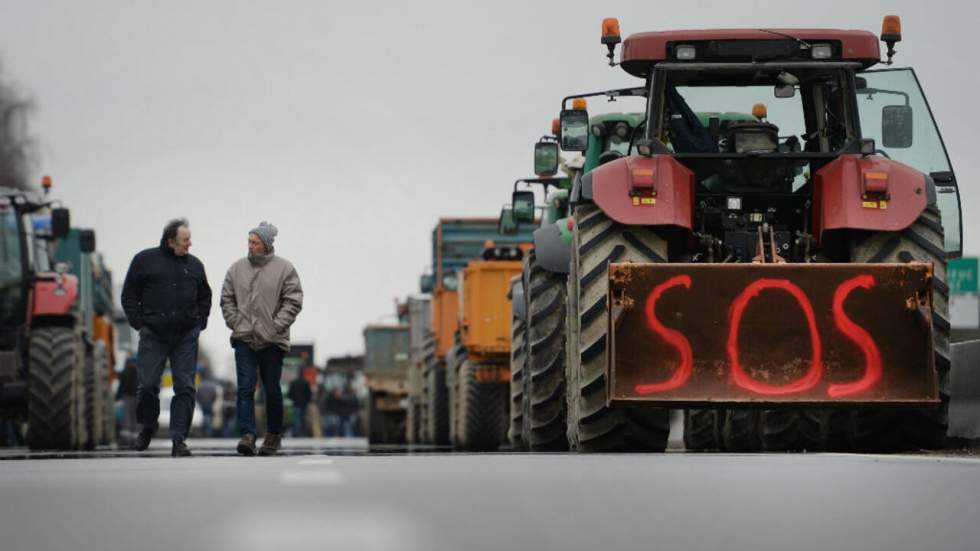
246, 446
271, 444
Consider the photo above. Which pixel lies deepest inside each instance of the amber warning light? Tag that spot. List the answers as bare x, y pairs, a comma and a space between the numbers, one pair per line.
891, 32
579, 104
46, 183
555, 126
611, 37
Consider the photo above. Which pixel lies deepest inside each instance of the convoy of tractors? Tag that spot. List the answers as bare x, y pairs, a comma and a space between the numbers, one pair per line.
58, 331
760, 249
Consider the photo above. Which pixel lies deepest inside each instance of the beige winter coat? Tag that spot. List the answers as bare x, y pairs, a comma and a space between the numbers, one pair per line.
260, 300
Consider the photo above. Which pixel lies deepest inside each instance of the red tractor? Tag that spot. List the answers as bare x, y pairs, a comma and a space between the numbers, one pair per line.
781, 279
43, 354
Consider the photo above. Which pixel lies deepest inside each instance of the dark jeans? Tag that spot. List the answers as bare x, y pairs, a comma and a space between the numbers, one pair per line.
299, 419
152, 356
267, 363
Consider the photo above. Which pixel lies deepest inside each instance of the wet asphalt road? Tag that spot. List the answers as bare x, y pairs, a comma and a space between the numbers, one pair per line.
333, 494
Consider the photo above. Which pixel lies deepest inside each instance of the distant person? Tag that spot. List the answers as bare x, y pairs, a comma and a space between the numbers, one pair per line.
126, 393
300, 394
167, 299
228, 410
207, 395
260, 300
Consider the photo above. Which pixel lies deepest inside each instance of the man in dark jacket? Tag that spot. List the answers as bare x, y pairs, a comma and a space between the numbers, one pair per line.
300, 394
167, 299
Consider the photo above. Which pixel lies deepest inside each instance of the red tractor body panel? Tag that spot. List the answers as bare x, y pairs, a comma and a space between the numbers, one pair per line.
645, 191
643, 49
867, 193
51, 298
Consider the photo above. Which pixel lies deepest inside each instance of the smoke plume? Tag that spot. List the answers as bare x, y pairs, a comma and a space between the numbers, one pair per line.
17, 148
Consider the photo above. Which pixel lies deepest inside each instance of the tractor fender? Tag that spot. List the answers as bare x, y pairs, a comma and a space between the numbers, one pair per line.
54, 295
643, 191
869, 193
518, 305
553, 252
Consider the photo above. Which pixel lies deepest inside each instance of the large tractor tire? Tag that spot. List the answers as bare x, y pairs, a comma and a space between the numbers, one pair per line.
54, 387
592, 425
437, 416
94, 399
483, 411
375, 423
702, 429
429, 361
546, 422
518, 360
414, 397
454, 361
108, 406
891, 430
740, 431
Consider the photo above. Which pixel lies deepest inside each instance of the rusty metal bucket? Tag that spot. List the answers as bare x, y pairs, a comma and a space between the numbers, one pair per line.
767, 334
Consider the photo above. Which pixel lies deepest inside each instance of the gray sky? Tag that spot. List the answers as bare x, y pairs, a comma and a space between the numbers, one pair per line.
354, 125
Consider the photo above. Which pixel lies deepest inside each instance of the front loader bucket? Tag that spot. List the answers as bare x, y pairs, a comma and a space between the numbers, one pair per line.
697, 335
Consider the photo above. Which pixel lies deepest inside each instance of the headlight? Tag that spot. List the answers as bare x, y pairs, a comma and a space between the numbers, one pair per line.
686, 53
821, 51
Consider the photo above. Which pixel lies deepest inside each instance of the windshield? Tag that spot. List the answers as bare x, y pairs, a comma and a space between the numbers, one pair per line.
11, 269
741, 112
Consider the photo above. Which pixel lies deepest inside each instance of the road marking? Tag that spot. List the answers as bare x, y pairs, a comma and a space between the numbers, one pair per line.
322, 461
311, 478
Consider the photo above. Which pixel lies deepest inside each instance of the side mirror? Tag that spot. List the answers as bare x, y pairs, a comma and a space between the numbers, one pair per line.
507, 225
896, 126
784, 91
86, 241
522, 207
574, 131
860, 83
427, 283
545, 158
60, 223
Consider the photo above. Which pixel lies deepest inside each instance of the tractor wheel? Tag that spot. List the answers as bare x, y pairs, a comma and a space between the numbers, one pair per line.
454, 360
546, 359
518, 355
94, 388
429, 361
53, 388
375, 421
108, 409
702, 429
412, 411
437, 416
740, 431
918, 428
483, 411
784, 430
592, 425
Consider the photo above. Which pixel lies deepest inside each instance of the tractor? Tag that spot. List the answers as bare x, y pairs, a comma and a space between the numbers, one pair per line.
53, 370
782, 279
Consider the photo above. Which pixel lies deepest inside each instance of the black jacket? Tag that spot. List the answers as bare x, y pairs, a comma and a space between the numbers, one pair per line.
166, 293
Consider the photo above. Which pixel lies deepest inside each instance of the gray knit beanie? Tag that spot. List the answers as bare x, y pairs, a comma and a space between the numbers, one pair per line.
267, 233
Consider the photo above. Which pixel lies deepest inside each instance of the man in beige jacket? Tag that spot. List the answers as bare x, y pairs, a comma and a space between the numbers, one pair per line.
260, 300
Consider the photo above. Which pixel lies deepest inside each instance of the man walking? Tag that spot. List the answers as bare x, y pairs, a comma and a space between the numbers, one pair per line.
167, 299
260, 300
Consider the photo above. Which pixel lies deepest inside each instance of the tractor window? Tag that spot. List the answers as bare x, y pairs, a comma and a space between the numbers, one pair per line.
895, 114
11, 269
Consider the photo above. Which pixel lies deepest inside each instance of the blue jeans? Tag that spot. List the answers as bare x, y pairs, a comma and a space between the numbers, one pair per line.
267, 364
299, 420
151, 357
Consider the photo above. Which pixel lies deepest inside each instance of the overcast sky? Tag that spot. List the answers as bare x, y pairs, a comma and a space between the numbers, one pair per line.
354, 125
